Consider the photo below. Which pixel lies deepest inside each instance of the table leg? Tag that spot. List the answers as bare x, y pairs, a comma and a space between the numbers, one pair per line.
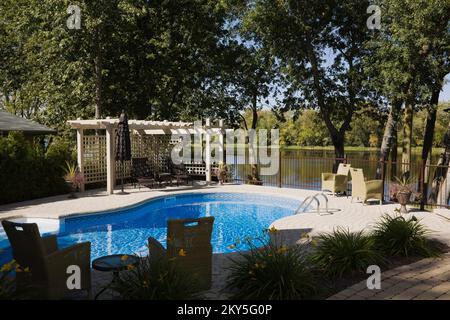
114, 278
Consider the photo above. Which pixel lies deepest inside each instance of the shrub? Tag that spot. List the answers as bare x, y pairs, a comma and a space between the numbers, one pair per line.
156, 279
61, 150
273, 272
397, 236
26, 173
343, 252
7, 288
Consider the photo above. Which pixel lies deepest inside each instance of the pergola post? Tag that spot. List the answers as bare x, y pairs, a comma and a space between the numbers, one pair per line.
221, 141
208, 151
110, 160
80, 153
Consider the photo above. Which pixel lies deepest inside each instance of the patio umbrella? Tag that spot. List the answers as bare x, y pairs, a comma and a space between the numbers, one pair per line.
123, 143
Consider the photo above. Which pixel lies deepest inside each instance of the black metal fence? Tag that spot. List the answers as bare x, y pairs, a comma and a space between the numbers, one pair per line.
304, 172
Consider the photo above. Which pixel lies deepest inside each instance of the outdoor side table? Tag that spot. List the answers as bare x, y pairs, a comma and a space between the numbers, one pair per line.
113, 263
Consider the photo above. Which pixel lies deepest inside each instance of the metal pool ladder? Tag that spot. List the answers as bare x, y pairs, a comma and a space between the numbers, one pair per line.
308, 200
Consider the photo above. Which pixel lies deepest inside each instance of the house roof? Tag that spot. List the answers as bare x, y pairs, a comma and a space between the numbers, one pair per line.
10, 122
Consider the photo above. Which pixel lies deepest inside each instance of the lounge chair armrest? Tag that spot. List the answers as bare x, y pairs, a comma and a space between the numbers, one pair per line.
50, 244
328, 176
374, 185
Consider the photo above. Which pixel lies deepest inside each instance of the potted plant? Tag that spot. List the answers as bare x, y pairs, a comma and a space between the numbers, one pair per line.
253, 178
402, 190
222, 173
74, 178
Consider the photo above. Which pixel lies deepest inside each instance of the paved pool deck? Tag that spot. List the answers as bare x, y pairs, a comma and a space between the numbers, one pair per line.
342, 213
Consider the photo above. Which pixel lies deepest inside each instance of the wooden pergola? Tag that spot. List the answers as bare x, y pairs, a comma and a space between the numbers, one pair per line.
140, 128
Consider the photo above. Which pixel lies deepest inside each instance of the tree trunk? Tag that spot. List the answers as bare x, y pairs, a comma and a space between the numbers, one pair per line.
254, 111
394, 152
255, 167
430, 125
388, 138
441, 170
339, 150
337, 136
407, 138
428, 143
98, 62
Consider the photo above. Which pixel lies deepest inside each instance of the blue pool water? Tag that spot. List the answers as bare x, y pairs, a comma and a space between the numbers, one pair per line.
237, 216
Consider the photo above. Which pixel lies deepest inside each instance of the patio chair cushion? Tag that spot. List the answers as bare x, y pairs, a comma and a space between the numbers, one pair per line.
365, 190
336, 182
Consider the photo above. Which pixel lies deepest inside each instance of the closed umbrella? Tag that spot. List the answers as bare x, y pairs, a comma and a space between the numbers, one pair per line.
123, 143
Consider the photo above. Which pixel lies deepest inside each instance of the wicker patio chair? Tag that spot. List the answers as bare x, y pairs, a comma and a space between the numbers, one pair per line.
164, 174
142, 173
336, 182
48, 265
365, 190
189, 243
180, 173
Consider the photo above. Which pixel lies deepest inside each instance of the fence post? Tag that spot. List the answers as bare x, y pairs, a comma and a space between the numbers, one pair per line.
279, 168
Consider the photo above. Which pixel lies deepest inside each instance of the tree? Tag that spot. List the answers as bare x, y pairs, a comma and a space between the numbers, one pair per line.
409, 55
301, 34
156, 60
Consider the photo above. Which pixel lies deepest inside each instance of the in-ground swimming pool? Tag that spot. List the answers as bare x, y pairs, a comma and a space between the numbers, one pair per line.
237, 216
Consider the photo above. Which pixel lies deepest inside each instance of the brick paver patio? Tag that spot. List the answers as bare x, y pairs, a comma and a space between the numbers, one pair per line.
427, 279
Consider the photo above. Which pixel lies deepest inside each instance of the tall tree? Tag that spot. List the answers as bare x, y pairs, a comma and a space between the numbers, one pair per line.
303, 35
406, 54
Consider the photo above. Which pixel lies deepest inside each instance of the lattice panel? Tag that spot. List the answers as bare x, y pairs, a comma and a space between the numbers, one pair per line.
94, 158
154, 147
199, 169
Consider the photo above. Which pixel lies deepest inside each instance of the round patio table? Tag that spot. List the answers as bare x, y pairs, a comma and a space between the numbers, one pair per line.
114, 263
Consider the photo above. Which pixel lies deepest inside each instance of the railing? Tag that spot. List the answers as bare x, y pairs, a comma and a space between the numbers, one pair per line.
306, 204
304, 172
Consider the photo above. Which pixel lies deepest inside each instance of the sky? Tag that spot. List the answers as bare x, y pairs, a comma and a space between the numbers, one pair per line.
445, 93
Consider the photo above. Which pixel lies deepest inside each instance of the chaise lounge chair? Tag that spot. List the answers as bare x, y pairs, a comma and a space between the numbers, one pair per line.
180, 173
189, 242
142, 173
48, 265
365, 190
336, 182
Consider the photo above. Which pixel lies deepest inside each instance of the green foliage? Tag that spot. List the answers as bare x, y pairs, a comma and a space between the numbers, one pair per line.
156, 279
343, 253
7, 287
26, 173
273, 272
397, 236
61, 150
366, 128
442, 121
155, 59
